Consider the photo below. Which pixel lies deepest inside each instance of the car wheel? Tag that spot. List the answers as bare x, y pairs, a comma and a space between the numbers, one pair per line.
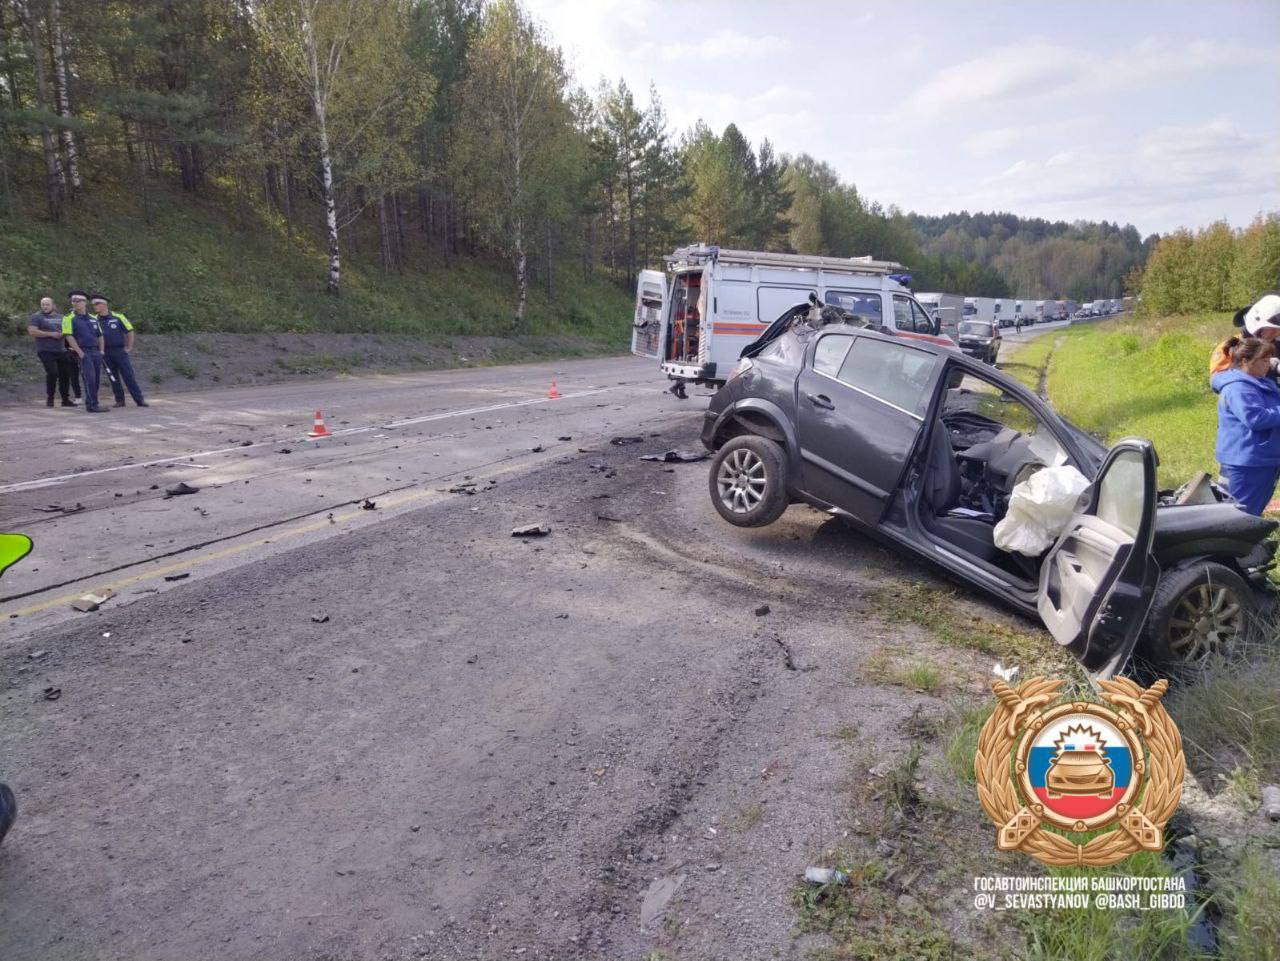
749, 481
1198, 610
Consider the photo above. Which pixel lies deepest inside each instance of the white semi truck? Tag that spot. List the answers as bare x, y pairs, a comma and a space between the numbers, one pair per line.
947, 308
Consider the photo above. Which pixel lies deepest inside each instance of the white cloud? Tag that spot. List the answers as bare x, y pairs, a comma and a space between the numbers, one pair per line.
1040, 70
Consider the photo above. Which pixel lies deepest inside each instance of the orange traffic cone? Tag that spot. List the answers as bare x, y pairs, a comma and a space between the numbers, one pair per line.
554, 394
319, 430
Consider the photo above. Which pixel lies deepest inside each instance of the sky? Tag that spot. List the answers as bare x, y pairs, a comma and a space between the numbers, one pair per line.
1158, 113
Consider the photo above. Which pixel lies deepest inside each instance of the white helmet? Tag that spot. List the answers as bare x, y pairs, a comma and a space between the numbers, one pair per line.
1264, 313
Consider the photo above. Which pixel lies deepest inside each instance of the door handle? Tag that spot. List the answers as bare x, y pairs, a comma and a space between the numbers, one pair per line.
821, 400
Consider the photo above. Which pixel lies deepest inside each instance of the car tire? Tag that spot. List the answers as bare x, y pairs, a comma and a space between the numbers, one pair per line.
1197, 610
748, 481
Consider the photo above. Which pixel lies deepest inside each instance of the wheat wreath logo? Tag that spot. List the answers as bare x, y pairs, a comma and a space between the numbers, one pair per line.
1079, 767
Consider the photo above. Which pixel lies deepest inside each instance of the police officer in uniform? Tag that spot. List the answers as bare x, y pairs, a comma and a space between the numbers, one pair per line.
45, 327
117, 340
84, 337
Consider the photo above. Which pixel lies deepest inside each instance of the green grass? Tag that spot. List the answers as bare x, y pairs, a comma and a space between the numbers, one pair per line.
940, 612
1145, 377
197, 266
1229, 717
962, 743
1092, 934
1252, 905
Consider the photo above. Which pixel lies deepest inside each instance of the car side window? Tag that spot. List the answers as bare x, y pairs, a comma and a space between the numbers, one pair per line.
902, 313
829, 354
983, 409
863, 303
894, 373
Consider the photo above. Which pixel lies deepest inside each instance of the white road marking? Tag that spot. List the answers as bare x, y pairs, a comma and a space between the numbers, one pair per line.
441, 415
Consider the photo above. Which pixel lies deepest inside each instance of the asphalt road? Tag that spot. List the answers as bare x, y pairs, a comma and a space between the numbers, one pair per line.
400, 732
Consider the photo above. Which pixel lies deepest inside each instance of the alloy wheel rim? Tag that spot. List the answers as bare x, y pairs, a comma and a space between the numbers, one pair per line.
741, 481
1206, 620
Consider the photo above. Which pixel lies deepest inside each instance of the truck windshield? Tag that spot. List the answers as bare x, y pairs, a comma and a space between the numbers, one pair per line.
974, 328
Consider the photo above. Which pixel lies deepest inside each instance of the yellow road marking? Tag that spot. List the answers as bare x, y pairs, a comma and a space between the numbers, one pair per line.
155, 572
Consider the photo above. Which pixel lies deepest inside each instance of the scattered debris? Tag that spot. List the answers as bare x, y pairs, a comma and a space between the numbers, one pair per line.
1271, 802
246, 443
330, 517
657, 896
825, 876
285, 450
564, 437
319, 618
36, 655
621, 441
677, 456
538, 449
611, 520
472, 659
154, 487
762, 610
369, 505
93, 600
1006, 674
180, 489
787, 659
415, 828
52, 693
531, 530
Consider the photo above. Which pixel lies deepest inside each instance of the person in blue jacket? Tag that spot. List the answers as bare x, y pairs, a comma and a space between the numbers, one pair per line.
1248, 423
117, 342
84, 337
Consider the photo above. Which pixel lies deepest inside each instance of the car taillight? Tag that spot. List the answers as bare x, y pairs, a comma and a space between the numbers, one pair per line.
744, 365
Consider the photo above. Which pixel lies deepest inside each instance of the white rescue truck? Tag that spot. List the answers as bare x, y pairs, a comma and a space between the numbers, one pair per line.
696, 319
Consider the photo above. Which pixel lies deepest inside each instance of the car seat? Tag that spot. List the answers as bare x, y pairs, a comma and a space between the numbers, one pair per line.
942, 489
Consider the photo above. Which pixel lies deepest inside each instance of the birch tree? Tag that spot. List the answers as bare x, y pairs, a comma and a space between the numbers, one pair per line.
60, 74
514, 122
347, 58
55, 183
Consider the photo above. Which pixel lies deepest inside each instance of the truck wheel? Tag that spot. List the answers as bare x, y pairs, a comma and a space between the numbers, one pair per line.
749, 481
1198, 610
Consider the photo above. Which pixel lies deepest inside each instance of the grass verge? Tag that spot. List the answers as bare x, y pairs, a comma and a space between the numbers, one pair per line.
1156, 377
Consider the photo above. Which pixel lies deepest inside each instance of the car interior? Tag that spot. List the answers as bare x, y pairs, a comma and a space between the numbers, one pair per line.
982, 443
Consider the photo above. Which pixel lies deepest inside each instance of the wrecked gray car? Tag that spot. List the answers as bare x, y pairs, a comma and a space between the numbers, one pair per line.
923, 445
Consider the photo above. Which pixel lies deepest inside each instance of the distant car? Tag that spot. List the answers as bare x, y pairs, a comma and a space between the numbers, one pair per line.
922, 446
977, 338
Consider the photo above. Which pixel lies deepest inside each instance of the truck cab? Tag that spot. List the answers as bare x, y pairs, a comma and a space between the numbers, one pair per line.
697, 317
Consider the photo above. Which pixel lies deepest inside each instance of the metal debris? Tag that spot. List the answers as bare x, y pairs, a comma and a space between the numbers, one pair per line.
676, 456
178, 577
369, 505
762, 610
531, 530
178, 490
621, 441
319, 618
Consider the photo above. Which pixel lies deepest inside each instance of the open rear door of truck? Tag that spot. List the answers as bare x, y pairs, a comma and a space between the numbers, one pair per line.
649, 322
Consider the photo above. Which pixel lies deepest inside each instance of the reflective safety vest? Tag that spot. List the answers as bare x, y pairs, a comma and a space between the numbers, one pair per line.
83, 328
115, 330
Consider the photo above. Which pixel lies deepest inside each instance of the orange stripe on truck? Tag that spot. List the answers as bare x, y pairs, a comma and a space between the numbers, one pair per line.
738, 328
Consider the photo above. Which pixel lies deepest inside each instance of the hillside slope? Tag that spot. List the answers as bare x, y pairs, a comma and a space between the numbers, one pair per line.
1147, 377
207, 266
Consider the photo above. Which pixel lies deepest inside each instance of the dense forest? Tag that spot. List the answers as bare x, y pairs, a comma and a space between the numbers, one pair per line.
1215, 268
450, 129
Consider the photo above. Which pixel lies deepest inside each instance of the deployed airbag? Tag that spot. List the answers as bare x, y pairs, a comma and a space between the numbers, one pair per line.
1040, 508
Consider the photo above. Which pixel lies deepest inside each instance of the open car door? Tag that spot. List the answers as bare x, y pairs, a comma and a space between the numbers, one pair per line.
650, 315
1096, 582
